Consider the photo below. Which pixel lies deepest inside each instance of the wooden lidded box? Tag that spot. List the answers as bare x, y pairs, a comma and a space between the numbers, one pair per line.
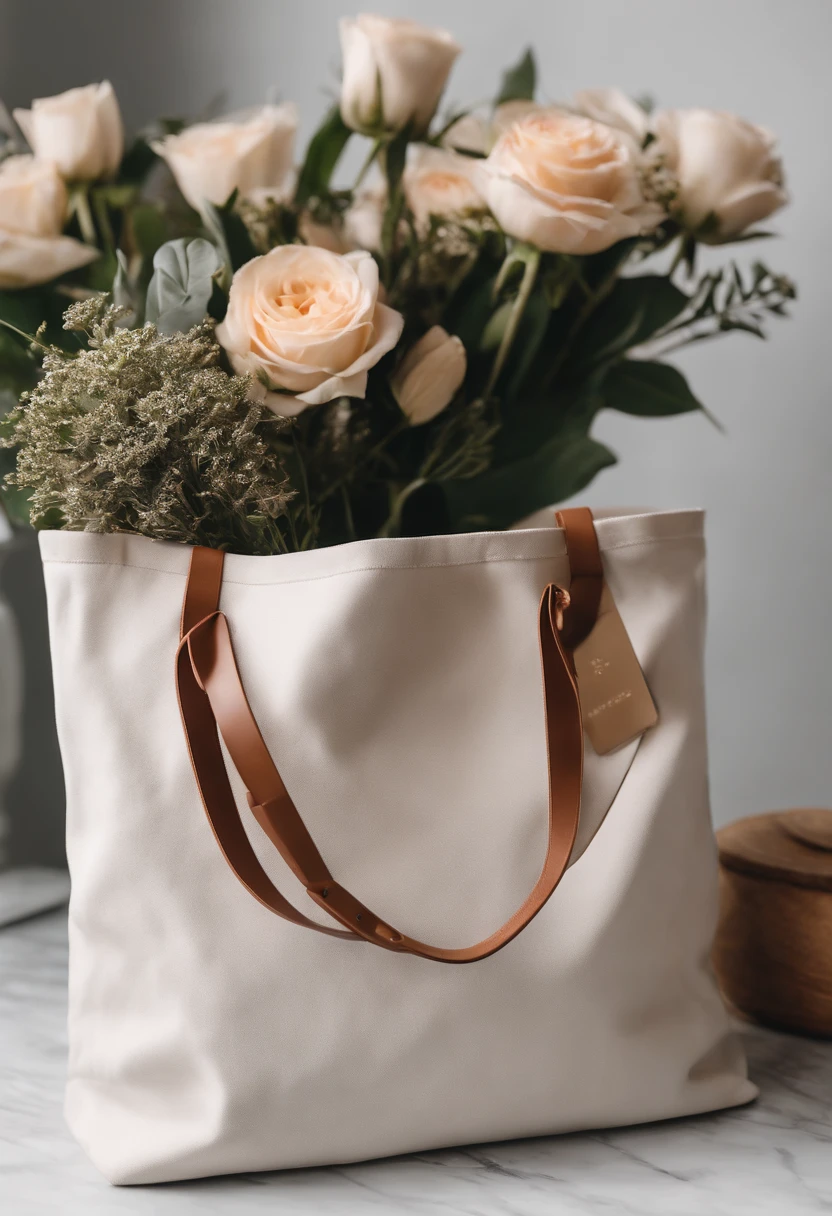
773, 948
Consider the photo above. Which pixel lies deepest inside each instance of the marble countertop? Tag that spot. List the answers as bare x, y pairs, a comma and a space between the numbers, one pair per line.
773, 1157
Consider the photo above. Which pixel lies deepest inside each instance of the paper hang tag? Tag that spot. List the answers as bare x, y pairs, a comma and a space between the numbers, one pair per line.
615, 701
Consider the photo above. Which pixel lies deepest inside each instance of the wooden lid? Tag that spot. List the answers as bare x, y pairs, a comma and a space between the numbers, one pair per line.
789, 846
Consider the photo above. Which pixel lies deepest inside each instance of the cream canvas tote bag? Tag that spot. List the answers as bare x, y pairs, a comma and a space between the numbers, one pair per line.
400, 726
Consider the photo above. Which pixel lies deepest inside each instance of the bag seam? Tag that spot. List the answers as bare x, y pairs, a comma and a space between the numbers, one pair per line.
314, 578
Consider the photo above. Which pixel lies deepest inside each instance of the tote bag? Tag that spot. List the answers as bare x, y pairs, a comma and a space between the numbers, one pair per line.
379, 756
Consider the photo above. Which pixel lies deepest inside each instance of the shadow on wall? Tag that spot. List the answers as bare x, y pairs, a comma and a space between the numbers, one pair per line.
35, 796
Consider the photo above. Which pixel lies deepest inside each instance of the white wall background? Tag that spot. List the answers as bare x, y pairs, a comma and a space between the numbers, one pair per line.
767, 484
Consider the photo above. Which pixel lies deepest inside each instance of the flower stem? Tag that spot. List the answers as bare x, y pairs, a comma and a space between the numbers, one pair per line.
81, 207
348, 516
104, 224
372, 156
531, 267
590, 304
397, 501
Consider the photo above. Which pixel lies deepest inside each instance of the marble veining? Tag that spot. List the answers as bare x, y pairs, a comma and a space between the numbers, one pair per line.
772, 1157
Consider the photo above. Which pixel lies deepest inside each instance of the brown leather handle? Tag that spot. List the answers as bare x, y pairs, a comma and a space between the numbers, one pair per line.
211, 696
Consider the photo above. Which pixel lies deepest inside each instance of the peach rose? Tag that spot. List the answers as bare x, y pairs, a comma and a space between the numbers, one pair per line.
729, 176
252, 153
567, 184
33, 203
80, 130
308, 325
438, 182
394, 72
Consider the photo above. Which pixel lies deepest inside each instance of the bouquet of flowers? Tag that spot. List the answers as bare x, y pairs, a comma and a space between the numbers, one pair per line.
75, 202
420, 351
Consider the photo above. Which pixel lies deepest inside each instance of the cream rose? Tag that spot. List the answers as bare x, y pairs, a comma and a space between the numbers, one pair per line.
438, 182
566, 184
251, 153
394, 72
429, 376
80, 130
616, 109
729, 176
308, 325
33, 203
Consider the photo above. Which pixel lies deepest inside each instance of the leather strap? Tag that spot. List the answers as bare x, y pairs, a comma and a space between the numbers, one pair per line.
211, 696
201, 598
586, 574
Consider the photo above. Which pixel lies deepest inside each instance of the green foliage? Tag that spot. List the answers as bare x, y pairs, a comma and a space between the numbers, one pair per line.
631, 313
144, 432
729, 299
272, 222
182, 284
647, 389
138, 161
501, 497
228, 231
149, 229
322, 155
145, 429
519, 82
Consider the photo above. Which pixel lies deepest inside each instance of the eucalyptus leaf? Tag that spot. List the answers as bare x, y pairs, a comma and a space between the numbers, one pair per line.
648, 390
322, 156
501, 497
182, 283
519, 82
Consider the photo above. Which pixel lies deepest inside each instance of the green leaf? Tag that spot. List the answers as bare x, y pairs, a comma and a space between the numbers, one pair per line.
322, 156
27, 308
138, 160
228, 232
635, 310
495, 328
149, 228
648, 390
499, 498
519, 82
116, 196
527, 343
99, 274
182, 283
472, 307
18, 370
